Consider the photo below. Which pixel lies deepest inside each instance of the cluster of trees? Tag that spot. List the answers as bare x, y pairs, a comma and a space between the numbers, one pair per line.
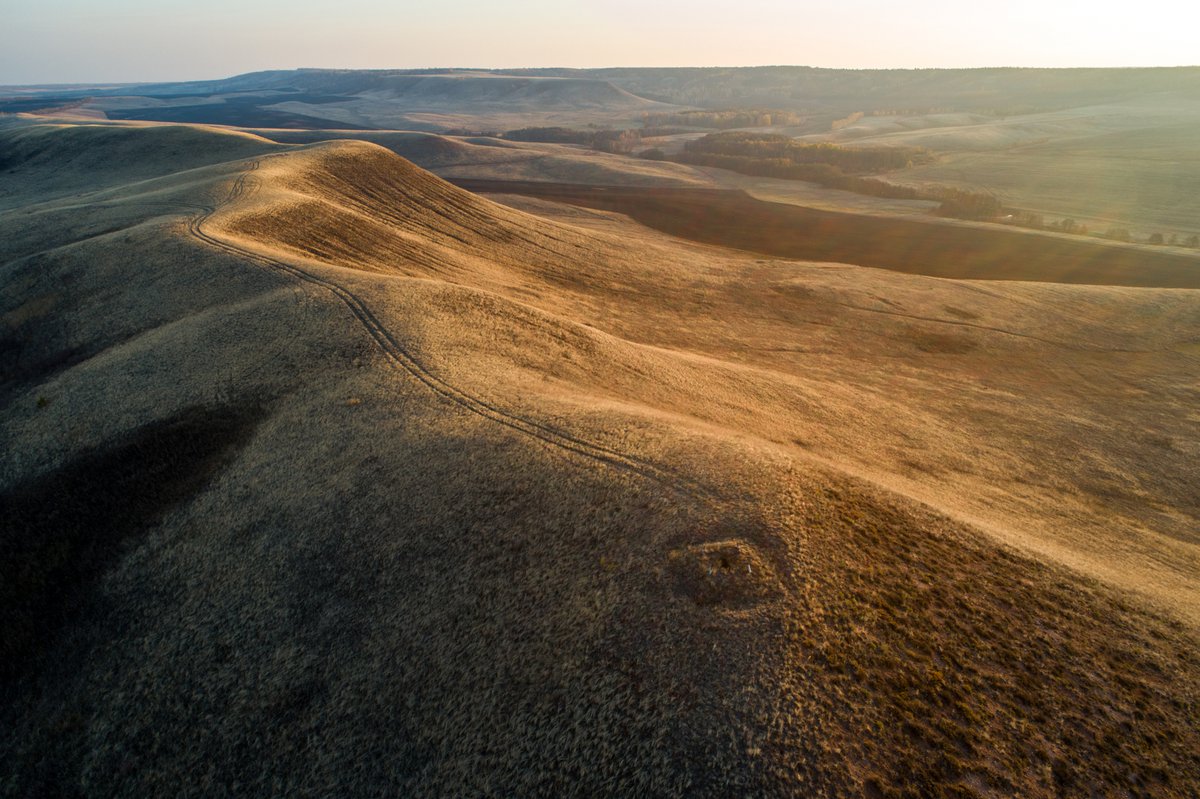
724, 120
824, 174
787, 151
1174, 240
1113, 233
1192, 241
838, 124
1038, 222
963, 204
604, 140
1068, 226
615, 141
552, 135
911, 112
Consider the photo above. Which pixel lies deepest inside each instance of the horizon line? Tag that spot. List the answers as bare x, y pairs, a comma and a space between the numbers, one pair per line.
227, 76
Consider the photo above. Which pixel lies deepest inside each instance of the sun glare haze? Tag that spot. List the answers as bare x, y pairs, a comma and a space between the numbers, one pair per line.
137, 40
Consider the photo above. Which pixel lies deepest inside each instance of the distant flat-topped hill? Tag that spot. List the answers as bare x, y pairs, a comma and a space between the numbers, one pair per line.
357, 99
1004, 88
447, 98
451, 86
970, 89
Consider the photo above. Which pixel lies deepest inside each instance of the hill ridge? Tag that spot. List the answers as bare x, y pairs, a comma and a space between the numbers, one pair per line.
247, 547
405, 360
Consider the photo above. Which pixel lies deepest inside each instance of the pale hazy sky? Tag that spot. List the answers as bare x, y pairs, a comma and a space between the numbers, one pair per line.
46, 41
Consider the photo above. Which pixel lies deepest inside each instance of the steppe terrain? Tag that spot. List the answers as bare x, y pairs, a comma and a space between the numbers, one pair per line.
323, 475
1109, 149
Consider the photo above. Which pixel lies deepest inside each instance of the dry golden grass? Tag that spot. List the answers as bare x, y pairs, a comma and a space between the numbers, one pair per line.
464, 500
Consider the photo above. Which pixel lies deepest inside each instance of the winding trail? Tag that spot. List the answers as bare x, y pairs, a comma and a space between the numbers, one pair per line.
401, 358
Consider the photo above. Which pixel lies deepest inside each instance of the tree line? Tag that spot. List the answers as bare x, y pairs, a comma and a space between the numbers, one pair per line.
604, 140
1036, 221
770, 146
724, 120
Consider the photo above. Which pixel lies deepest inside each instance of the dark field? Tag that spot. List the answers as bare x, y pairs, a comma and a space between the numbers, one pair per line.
240, 115
25, 105
735, 219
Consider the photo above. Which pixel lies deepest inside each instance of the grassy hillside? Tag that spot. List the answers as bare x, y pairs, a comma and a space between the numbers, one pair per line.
325, 476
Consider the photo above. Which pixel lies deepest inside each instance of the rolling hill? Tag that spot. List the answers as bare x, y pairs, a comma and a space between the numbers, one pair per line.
322, 475
358, 99
1107, 149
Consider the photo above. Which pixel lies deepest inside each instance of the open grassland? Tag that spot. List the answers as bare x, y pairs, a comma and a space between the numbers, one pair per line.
1142, 193
324, 475
1132, 164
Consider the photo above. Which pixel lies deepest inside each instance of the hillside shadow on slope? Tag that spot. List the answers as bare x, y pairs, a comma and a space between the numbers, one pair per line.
63, 530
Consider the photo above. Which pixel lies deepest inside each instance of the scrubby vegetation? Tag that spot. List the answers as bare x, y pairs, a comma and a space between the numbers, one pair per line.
1035, 221
846, 122
788, 151
554, 135
963, 204
725, 120
831, 165
605, 140
940, 709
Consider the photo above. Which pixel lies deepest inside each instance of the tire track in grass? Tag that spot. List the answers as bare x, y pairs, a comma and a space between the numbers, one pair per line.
403, 359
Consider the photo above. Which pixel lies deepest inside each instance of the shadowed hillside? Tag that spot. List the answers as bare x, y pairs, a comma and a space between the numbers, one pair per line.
1003, 89
355, 100
452, 87
45, 161
355, 482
